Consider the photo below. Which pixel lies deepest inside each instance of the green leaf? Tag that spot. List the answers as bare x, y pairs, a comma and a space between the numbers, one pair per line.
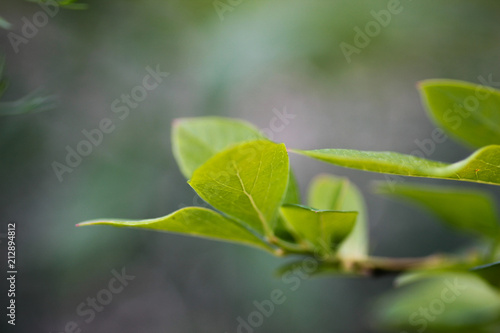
490, 273
247, 182
193, 221
468, 210
483, 166
328, 192
451, 302
196, 140
469, 112
324, 230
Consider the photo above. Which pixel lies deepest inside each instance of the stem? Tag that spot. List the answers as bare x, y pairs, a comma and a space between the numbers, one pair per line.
288, 247
377, 266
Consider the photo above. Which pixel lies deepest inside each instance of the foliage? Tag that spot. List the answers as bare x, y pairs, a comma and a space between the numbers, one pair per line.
247, 178
32, 103
67, 4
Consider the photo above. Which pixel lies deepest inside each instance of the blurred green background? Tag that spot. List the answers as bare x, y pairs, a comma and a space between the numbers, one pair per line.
262, 56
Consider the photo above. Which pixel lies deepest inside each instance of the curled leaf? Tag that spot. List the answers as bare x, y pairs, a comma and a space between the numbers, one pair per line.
483, 166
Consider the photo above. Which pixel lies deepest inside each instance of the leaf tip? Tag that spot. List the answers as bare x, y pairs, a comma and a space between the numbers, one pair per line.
82, 224
176, 122
86, 223
423, 84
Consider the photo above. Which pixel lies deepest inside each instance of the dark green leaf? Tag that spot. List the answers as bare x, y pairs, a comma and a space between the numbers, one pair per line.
469, 210
490, 273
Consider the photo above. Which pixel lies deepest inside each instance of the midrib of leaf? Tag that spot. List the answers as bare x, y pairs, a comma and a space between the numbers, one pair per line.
252, 202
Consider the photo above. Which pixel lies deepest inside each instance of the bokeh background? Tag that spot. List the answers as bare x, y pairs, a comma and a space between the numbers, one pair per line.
262, 56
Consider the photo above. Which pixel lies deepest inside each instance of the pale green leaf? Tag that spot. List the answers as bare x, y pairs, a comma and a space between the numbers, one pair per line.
469, 112
483, 166
328, 192
193, 221
323, 229
451, 302
468, 210
247, 182
196, 140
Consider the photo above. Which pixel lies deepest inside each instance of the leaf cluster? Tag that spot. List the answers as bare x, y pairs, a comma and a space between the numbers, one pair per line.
249, 182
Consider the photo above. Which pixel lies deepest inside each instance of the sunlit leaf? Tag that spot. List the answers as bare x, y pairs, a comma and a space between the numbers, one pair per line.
468, 210
325, 230
193, 221
247, 182
328, 192
469, 112
483, 166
